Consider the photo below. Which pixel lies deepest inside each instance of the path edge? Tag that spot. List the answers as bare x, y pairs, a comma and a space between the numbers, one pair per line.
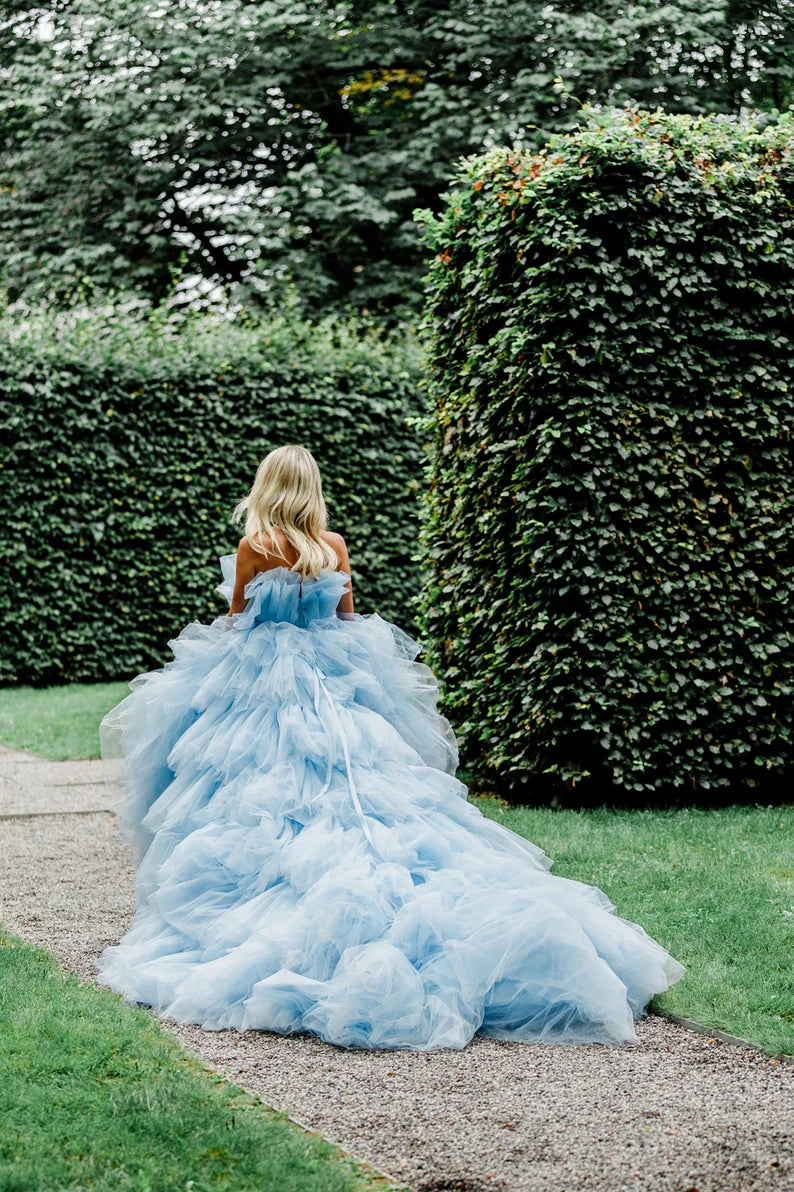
736, 1040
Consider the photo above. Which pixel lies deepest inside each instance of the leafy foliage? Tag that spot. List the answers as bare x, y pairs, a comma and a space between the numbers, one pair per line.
256, 145
128, 445
610, 526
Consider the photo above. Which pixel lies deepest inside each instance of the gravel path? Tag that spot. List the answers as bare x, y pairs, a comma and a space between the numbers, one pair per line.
680, 1113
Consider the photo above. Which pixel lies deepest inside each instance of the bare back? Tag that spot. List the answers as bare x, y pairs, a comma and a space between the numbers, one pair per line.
250, 562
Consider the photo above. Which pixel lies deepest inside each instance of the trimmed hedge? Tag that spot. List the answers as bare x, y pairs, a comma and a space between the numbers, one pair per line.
609, 533
129, 445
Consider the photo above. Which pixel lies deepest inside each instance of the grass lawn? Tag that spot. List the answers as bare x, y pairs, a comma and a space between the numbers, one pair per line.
57, 722
95, 1095
716, 888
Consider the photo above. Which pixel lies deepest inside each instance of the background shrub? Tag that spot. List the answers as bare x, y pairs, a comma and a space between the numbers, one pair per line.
130, 442
610, 524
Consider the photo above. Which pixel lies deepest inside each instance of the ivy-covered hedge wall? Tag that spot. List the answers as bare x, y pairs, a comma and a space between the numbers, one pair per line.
610, 526
127, 445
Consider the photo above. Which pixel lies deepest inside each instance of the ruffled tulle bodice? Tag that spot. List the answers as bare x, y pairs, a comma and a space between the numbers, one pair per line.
310, 862
282, 595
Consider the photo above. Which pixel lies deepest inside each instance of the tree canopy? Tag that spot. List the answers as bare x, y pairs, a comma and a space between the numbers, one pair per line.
256, 143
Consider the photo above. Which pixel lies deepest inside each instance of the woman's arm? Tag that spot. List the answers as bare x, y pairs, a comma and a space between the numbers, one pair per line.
345, 604
246, 570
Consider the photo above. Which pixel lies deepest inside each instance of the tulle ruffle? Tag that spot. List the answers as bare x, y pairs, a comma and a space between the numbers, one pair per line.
310, 862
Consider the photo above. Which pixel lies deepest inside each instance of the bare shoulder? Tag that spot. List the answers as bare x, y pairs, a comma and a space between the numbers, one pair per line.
337, 542
246, 551
261, 559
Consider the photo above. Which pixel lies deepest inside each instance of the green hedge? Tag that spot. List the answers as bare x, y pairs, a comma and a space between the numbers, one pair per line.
129, 445
610, 526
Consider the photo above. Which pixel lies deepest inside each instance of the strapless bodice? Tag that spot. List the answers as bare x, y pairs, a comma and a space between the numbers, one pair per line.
284, 595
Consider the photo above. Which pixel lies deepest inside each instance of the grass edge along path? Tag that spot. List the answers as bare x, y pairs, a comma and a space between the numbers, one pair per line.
57, 723
96, 1094
715, 886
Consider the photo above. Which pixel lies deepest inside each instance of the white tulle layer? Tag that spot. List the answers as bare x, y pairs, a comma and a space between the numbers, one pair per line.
310, 862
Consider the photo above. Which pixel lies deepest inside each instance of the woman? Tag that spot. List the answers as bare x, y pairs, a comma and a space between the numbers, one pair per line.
309, 860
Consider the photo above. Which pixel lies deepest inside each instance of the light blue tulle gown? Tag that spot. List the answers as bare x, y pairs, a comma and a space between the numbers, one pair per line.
309, 862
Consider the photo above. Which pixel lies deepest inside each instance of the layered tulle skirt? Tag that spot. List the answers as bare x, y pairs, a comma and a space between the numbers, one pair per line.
309, 861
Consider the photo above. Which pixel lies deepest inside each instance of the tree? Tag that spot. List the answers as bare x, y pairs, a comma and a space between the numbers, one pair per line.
257, 142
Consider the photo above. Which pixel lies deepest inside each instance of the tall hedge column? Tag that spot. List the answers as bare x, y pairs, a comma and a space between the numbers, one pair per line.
609, 533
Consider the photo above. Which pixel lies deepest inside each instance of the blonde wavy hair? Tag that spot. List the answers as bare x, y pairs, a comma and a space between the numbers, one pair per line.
287, 493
